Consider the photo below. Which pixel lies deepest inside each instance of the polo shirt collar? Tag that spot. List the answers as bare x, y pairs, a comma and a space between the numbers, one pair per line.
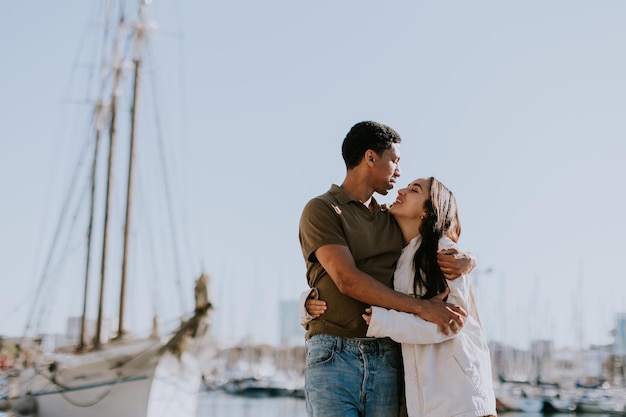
343, 197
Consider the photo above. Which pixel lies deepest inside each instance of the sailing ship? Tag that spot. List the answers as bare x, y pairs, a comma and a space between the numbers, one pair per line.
128, 375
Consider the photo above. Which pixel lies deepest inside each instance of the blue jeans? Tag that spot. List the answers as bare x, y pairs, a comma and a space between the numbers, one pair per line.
347, 377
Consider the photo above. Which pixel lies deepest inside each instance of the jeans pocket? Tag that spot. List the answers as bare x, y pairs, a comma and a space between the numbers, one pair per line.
393, 358
319, 354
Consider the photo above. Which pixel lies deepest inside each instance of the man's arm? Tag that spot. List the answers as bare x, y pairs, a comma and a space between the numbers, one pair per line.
339, 263
454, 264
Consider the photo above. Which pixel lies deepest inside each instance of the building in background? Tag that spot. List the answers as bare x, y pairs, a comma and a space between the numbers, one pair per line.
291, 333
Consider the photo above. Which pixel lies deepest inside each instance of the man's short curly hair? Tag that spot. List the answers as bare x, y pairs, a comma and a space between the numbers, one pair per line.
367, 135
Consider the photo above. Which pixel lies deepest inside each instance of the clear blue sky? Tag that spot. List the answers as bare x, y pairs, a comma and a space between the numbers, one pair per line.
519, 107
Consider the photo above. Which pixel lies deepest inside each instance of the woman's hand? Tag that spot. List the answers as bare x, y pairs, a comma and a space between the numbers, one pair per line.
314, 306
368, 315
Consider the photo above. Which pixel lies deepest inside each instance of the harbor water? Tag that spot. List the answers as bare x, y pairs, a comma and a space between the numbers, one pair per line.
221, 404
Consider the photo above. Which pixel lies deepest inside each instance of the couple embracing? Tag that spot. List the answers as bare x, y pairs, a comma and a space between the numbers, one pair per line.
391, 323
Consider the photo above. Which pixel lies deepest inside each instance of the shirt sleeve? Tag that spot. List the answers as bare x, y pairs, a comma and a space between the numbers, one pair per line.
319, 226
404, 327
410, 328
305, 317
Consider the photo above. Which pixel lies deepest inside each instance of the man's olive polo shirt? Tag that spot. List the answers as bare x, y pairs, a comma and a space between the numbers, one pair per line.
375, 241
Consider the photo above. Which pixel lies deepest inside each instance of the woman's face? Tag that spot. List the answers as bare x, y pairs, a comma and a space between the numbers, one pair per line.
410, 201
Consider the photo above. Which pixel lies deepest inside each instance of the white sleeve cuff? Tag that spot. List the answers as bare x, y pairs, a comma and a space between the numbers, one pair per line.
305, 317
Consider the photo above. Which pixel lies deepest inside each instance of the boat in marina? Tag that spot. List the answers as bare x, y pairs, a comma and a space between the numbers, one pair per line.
4, 392
599, 400
524, 404
559, 405
109, 370
557, 400
518, 397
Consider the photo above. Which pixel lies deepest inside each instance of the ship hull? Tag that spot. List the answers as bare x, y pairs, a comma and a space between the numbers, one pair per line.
137, 381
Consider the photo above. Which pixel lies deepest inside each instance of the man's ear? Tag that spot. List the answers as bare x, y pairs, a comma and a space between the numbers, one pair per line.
370, 157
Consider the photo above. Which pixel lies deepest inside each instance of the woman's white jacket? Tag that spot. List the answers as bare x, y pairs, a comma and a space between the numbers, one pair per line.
445, 375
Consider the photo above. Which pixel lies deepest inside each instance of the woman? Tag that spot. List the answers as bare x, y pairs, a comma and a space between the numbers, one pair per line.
445, 375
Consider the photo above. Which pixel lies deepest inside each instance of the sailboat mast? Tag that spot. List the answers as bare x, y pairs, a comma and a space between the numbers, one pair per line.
140, 34
83, 318
112, 132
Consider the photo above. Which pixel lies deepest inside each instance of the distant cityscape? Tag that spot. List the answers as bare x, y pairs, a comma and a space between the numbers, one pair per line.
539, 378
542, 362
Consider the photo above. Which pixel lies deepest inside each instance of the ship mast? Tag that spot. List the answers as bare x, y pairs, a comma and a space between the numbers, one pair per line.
99, 127
117, 75
140, 34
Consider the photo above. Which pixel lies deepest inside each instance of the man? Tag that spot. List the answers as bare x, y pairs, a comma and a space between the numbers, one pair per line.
351, 244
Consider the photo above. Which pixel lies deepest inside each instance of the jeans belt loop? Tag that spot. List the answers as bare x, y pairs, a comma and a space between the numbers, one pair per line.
339, 345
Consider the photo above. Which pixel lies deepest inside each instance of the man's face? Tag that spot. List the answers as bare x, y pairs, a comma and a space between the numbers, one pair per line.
387, 169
